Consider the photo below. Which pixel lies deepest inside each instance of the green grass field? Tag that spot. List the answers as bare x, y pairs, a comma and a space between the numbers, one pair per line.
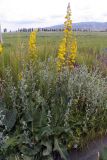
95, 41
90, 45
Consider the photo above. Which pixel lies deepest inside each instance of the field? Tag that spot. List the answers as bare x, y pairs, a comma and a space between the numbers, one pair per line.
47, 42
92, 39
45, 113
96, 41
90, 45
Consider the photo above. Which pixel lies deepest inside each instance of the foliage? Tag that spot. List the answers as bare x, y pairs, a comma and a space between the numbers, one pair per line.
45, 113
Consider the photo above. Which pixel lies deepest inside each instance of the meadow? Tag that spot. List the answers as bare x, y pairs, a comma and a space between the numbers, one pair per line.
97, 41
44, 113
90, 46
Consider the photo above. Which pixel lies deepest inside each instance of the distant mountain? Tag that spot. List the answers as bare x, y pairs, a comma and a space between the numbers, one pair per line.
94, 26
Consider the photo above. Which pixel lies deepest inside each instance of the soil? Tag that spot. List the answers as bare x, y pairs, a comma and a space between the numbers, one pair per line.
91, 151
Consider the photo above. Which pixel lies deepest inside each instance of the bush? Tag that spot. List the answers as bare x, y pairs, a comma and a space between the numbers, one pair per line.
47, 113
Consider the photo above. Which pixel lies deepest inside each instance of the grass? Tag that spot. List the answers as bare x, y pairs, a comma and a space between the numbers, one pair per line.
47, 42
44, 112
90, 45
86, 40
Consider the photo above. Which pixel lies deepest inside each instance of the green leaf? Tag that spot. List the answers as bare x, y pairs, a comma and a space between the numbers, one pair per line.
10, 118
27, 158
11, 142
61, 150
45, 131
28, 117
30, 151
47, 151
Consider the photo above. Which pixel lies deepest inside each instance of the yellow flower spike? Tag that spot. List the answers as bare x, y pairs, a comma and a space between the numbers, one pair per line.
61, 54
1, 48
68, 47
32, 45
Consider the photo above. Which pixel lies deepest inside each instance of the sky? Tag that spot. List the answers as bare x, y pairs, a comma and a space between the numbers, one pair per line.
16, 14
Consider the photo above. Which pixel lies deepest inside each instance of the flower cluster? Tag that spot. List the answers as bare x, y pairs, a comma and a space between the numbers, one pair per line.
68, 47
1, 48
32, 44
61, 54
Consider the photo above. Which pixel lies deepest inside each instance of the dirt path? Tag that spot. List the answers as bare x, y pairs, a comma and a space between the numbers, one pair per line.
90, 152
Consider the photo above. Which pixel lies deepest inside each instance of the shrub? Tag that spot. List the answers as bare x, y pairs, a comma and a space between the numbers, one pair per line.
45, 113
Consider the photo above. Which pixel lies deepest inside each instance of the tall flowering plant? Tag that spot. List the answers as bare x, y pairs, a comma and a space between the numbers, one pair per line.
32, 45
68, 47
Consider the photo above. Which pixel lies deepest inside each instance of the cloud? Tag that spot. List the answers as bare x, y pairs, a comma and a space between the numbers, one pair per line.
105, 15
22, 13
21, 22
56, 16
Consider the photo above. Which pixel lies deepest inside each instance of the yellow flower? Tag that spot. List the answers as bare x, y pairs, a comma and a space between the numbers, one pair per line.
74, 46
61, 54
32, 44
1, 48
73, 53
69, 146
20, 76
68, 47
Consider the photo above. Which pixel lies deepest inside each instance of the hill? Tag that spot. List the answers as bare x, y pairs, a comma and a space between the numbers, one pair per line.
94, 26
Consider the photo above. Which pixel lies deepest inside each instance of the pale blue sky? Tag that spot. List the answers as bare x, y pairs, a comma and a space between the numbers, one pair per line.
39, 13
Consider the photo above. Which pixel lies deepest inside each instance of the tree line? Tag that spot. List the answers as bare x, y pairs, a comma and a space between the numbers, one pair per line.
50, 30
